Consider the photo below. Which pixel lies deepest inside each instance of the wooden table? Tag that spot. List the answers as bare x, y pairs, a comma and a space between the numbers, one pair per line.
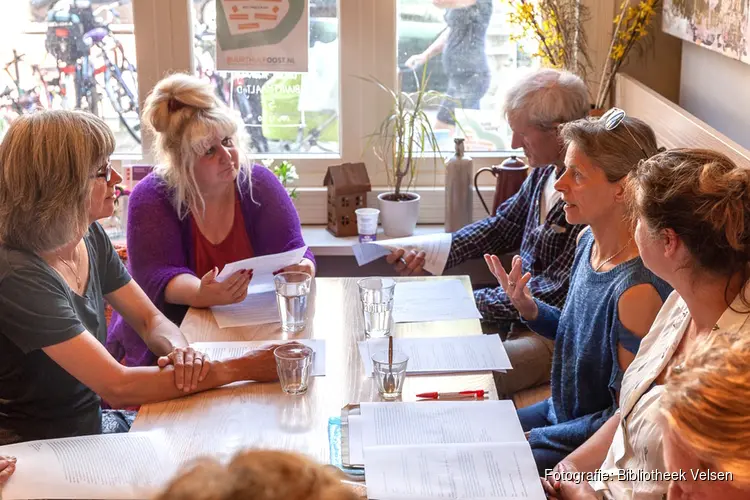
222, 421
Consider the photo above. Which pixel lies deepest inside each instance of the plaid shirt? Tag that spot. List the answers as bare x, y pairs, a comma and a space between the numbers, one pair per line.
547, 250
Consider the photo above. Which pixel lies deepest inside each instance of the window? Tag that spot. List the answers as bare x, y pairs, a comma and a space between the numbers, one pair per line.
470, 57
71, 54
284, 113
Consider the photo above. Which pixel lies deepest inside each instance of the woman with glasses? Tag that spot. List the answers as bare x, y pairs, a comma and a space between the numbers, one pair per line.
57, 267
612, 299
203, 207
693, 231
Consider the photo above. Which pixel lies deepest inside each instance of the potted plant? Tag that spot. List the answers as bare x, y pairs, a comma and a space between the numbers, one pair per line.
286, 172
404, 136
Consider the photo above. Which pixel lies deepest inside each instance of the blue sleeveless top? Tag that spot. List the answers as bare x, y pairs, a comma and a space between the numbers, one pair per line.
586, 374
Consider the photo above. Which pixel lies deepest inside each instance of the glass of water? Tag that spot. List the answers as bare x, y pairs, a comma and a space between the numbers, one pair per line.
389, 376
293, 365
292, 289
376, 295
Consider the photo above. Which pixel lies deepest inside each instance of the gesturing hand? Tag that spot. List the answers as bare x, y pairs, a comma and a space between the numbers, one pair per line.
514, 285
190, 367
229, 291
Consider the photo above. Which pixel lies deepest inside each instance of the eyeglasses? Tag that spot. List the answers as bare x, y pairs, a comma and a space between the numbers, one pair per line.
104, 172
613, 118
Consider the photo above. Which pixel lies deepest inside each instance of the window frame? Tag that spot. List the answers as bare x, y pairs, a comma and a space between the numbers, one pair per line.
370, 30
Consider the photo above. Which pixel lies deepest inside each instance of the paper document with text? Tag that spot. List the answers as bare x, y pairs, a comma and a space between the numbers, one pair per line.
435, 246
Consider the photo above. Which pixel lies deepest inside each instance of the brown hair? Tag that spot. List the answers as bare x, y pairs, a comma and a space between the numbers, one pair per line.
46, 163
615, 151
260, 475
705, 198
705, 402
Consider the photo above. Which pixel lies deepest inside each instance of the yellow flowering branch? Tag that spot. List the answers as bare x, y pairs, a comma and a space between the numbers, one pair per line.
631, 26
556, 25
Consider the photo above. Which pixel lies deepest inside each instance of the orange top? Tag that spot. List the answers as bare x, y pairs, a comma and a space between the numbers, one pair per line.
236, 246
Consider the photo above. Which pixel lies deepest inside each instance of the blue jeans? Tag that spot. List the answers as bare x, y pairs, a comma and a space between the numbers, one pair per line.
532, 417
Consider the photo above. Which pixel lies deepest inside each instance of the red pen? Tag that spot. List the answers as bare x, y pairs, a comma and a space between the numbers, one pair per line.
452, 395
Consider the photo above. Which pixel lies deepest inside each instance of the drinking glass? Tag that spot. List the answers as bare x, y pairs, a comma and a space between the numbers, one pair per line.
292, 289
293, 364
389, 377
376, 295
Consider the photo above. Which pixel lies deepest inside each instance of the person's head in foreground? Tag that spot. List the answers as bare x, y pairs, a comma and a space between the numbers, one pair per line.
707, 420
692, 208
199, 140
259, 475
599, 156
55, 179
536, 105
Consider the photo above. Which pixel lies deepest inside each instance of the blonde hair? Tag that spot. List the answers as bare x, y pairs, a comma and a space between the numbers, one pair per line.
705, 198
705, 402
259, 475
615, 151
548, 96
185, 115
47, 160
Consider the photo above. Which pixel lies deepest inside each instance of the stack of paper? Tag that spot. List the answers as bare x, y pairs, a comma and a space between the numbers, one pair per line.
435, 246
111, 466
425, 450
433, 300
259, 307
475, 353
225, 350
256, 309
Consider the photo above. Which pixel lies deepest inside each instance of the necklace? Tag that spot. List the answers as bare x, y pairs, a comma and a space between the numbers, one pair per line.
613, 255
74, 271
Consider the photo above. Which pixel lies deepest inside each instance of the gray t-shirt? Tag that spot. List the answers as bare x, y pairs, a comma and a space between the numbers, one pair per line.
38, 399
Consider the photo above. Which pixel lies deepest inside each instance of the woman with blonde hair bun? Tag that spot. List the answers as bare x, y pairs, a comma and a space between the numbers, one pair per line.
260, 475
204, 206
707, 420
693, 231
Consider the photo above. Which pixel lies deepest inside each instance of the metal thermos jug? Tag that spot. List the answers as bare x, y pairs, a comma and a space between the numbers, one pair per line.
458, 196
509, 176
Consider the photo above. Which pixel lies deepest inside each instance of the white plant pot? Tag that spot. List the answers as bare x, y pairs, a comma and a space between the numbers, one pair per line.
399, 218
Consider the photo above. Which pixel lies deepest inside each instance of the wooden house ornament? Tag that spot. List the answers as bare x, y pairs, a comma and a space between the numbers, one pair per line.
348, 185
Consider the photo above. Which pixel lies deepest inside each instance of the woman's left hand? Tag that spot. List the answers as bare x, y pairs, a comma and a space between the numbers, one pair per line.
190, 367
304, 266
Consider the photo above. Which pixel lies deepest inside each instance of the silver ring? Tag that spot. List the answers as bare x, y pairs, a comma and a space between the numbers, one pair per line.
511, 284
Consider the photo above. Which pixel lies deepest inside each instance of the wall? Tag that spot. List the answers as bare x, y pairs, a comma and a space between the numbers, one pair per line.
716, 89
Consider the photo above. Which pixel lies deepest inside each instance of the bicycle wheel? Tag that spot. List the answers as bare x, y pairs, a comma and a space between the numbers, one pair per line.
207, 13
121, 86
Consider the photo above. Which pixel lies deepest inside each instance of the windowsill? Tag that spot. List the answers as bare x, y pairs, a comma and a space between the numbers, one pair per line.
323, 243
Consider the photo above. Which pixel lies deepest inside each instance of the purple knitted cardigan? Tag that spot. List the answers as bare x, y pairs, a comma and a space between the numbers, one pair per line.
160, 246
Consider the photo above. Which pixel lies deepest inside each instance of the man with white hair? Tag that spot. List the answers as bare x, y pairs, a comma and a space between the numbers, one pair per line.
531, 222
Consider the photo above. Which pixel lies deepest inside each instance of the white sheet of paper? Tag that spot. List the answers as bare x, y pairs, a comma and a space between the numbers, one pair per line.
440, 422
496, 471
435, 246
476, 353
356, 448
108, 466
256, 309
263, 268
433, 300
225, 350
